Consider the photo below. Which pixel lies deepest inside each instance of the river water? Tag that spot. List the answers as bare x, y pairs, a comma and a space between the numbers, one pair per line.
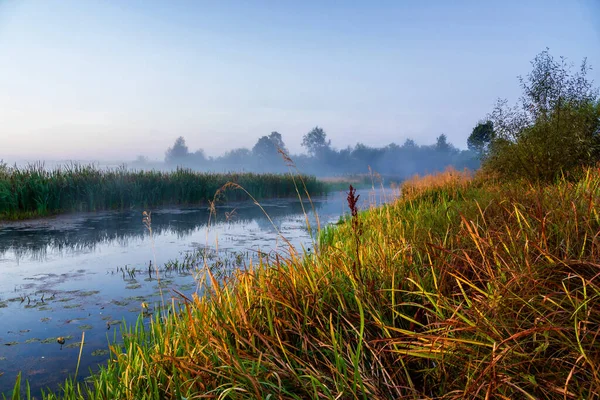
66, 275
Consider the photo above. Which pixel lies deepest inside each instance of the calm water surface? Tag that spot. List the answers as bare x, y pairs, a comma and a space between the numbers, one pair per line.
62, 276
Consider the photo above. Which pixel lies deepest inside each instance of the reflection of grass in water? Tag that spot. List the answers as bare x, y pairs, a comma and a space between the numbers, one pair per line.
85, 327
33, 340
106, 317
73, 306
3, 304
45, 319
45, 308
121, 303
74, 345
100, 352
11, 343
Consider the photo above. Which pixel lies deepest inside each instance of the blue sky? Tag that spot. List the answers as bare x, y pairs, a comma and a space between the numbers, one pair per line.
114, 79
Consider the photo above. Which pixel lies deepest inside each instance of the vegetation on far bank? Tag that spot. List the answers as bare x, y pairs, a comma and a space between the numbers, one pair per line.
322, 159
35, 191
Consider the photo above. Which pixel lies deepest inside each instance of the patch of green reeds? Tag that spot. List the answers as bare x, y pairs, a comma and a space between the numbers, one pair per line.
37, 191
462, 289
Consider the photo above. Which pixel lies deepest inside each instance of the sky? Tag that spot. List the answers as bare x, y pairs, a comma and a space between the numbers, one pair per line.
110, 80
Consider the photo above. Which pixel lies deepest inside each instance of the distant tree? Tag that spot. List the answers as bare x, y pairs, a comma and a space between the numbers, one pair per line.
392, 147
198, 157
277, 140
481, 137
409, 144
140, 159
265, 148
178, 153
316, 142
554, 129
442, 145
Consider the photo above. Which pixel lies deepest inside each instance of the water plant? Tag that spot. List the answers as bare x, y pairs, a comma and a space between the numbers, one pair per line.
37, 191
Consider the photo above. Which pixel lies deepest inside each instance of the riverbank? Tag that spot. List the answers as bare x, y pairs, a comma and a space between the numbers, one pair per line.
37, 192
463, 288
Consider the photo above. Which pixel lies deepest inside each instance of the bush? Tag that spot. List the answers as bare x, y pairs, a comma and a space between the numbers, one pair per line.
553, 130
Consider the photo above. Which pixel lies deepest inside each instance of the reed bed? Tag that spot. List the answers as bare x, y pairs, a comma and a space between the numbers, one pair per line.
462, 290
37, 191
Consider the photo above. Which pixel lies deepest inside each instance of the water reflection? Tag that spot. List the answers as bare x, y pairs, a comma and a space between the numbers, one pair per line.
79, 234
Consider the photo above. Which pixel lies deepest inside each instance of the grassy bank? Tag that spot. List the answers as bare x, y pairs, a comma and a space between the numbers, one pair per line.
35, 191
462, 289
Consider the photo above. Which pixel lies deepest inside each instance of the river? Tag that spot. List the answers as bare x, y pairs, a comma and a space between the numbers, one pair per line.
70, 274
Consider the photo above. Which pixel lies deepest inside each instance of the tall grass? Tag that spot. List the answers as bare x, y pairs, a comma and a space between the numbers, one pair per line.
36, 191
467, 289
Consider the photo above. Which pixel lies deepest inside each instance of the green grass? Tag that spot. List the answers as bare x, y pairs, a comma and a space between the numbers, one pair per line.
34, 191
462, 289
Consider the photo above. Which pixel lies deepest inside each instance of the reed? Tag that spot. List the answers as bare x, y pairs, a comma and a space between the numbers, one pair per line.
36, 191
467, 289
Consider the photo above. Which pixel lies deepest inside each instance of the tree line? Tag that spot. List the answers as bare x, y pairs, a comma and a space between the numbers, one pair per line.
270, 154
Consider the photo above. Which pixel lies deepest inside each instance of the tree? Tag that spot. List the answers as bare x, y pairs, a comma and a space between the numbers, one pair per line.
178, 153
481, 137
267, 147
553, 129
316, 142
277, 140
441, 144
409, 144
198, 157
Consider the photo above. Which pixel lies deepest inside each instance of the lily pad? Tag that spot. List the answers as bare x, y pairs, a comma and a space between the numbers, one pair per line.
85, 327
74, 345
32, 340
133, 286
45, 319
88, 293
73, 306
53, 339
100, 352
3, 304
121, 303
64, 300
11, 343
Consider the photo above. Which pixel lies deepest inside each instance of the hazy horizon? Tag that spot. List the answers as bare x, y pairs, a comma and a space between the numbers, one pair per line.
110, 81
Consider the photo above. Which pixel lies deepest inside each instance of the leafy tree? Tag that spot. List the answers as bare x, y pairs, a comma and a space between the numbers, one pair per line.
409, 144
198, 157
481, 137
178, 153
553, 129
316, 142
267, 147
442, 145
277, 140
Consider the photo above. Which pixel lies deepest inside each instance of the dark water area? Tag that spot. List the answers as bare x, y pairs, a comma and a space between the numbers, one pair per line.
66, 275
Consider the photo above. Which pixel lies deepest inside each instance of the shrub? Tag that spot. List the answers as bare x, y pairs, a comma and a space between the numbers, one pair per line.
553, 130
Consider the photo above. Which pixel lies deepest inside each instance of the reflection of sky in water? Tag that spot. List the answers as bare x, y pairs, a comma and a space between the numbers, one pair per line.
62, 258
